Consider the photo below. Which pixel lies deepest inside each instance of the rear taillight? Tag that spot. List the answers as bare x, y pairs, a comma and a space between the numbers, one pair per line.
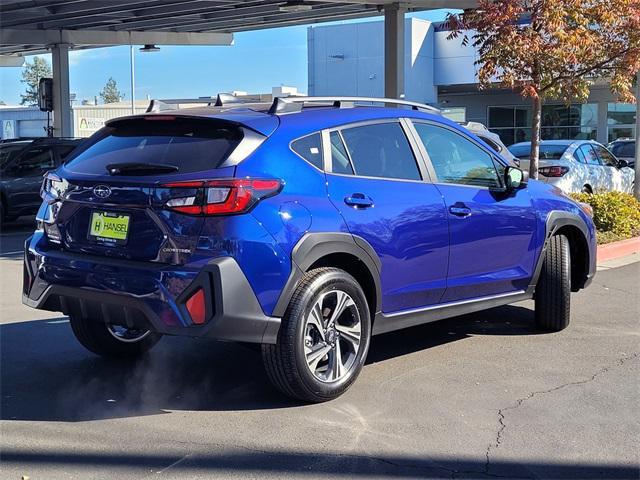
553, 171
222, 196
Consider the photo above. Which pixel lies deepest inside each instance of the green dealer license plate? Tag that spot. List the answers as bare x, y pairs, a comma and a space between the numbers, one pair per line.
109, 227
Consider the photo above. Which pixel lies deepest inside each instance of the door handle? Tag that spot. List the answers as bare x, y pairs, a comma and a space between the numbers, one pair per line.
460, 210
359, 200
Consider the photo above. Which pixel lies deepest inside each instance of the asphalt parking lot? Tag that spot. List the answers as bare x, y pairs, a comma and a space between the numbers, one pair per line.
480, 396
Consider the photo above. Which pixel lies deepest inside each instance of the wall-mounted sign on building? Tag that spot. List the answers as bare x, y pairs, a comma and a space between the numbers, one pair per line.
8, 129
90, 124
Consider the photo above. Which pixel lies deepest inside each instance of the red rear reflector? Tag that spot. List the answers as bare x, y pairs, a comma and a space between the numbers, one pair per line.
196, 307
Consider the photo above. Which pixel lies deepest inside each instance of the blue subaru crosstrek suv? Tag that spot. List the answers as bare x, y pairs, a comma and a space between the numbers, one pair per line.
306, 226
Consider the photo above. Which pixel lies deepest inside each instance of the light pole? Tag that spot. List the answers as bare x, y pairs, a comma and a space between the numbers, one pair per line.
133, 82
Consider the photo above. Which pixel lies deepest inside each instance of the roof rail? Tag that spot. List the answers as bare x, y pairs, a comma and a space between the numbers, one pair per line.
219, 100
296, 104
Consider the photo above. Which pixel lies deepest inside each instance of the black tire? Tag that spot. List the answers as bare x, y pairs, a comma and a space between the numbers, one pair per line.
286, 362
587, 189
95, 337
553, 291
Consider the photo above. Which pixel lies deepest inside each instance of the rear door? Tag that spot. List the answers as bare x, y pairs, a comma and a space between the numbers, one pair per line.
492, 233
114, 190
378, 186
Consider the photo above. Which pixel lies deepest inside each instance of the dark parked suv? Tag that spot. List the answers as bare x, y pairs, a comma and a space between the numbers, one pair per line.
306, 226
23, 162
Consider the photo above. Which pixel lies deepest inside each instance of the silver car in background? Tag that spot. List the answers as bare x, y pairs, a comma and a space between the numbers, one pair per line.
578, 166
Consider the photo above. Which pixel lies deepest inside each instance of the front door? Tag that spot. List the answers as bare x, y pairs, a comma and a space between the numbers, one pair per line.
492, 233
375, 182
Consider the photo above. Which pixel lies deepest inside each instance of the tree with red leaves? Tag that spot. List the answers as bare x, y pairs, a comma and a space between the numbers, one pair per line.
553, 49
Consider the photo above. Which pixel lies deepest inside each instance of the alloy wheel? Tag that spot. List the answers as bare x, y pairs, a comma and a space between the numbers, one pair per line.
332, 336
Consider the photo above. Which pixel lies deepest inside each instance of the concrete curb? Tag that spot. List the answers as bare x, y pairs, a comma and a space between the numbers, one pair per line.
614, 250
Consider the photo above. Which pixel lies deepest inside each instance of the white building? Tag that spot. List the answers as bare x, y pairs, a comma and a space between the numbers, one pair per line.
348, 59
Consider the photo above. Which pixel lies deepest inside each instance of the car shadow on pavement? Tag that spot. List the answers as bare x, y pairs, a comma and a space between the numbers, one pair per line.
46, 375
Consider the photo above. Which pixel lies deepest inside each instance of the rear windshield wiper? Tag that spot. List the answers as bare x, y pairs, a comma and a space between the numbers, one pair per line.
139, 168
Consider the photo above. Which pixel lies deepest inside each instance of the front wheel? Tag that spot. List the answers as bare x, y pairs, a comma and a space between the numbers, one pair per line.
112, 340
553, 291
323, 339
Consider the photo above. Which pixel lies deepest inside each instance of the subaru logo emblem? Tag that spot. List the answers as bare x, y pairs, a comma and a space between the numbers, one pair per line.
101, 191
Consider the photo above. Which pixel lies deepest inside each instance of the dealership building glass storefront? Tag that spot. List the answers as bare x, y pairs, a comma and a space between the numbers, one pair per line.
580, 122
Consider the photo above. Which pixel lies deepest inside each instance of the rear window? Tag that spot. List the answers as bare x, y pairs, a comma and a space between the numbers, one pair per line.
547, 152
189, 145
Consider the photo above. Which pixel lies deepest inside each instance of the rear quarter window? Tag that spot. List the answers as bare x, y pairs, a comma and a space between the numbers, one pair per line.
189, 145
309, 148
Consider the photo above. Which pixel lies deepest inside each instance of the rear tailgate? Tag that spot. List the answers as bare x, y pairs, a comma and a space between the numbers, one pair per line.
109, 199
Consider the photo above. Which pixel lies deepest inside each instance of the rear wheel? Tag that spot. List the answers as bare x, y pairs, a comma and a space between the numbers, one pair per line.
323, 339
587, 189
112, 340
553, 291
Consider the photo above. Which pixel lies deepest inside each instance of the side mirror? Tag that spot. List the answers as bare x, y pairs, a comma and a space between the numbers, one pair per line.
622, 163
514, 178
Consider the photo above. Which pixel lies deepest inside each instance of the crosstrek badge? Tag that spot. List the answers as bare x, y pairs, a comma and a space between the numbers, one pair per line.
109, 226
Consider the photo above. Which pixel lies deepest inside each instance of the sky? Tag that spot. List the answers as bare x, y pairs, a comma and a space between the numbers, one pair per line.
256, 62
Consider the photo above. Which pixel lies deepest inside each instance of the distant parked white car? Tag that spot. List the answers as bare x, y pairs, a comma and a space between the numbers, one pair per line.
578, 166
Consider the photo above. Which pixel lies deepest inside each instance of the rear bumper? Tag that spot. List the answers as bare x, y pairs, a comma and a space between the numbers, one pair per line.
145, 295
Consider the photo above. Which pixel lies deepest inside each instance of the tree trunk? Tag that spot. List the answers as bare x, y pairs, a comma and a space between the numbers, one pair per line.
636, 188
535, 138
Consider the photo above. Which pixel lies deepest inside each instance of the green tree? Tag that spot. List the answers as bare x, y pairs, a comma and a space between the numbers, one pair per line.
553, 49
110, 92
31, 75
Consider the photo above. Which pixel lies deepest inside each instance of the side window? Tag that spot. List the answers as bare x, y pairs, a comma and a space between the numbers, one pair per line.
578, 155
339, 157
606, 157
309, 148
381, 150
590, 155
35, 160
456, 159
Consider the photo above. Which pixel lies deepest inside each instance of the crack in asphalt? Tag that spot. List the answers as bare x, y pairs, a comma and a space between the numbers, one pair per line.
501, 413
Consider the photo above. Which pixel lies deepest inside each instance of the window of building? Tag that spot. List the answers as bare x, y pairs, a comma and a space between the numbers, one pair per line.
456, 159
455, 114
621, 119
381, 150
309, 148
559, 122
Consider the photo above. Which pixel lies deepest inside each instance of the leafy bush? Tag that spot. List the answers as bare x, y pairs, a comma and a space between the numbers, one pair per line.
616, 213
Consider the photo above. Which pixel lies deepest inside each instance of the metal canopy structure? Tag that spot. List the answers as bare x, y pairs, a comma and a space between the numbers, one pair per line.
35, 26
